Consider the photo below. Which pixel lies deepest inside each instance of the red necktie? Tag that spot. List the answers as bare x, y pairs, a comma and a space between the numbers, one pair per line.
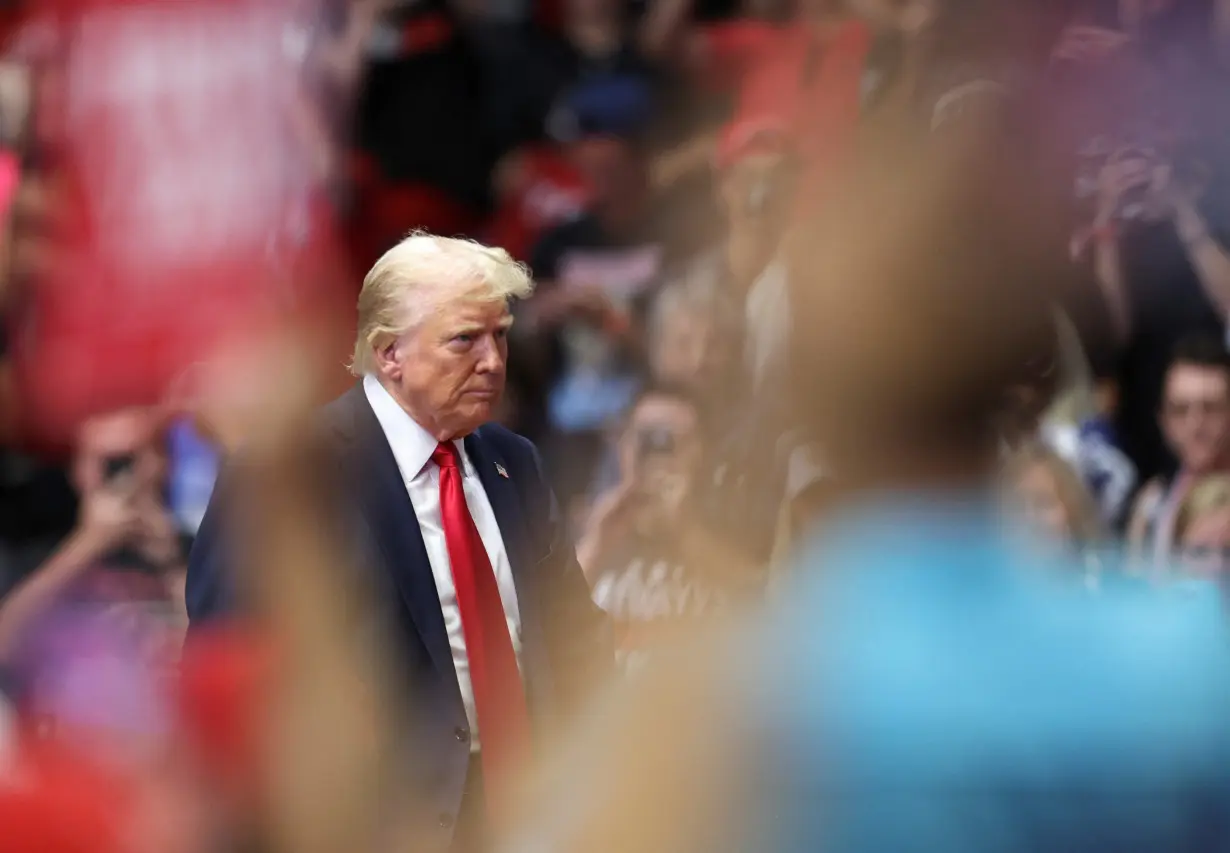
499, 695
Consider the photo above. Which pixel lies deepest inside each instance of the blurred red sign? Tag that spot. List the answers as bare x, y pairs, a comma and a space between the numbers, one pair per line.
193, 210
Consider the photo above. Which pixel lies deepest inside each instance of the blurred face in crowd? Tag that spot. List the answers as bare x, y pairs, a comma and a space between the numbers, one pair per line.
1039, 498
1205, 549
131, 435
1195, 415
688, 352
660, 451
449, 370
617, 177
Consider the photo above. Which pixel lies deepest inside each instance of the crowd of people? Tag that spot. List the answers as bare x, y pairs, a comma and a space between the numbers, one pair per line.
651, 167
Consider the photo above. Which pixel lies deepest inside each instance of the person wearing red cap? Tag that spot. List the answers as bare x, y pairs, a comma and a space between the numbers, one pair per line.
802, 78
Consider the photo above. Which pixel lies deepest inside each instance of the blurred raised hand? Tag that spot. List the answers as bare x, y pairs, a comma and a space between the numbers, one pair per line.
330, 724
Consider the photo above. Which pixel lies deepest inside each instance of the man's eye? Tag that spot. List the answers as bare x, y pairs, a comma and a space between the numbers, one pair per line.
501, 333
463, 339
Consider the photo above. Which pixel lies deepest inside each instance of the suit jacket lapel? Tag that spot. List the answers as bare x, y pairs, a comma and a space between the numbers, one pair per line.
389, 516
507, 504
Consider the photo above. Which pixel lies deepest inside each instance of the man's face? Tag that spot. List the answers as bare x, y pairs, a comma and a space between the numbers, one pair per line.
449, 370
1196, 416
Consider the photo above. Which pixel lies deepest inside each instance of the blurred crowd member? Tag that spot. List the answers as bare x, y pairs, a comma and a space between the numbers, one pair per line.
483, 605
800, 77
689, 347
1056, 406
653, 565
115, 584
537, 188
596, 277
1195, 418
693, 341
756, 192
1055, 505
1153, 171
419, 73
1078, 427
1202, 529
529, 71
1166, 272
37, 503
542, 185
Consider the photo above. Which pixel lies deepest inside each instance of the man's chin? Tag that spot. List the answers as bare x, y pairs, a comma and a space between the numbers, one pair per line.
477, 412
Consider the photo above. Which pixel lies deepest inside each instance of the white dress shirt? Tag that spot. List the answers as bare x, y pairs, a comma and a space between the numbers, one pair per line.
412, 448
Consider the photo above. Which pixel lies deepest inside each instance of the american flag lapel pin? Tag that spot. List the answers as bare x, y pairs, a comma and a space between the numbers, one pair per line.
499, 469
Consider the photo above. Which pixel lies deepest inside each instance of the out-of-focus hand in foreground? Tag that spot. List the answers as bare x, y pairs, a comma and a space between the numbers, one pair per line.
283, 728
325, 727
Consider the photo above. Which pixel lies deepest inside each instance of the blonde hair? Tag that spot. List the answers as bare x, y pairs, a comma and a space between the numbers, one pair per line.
1208, 494
419, 274
1085, 522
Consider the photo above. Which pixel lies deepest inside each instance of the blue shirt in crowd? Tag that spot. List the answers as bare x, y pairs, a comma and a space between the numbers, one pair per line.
925, 687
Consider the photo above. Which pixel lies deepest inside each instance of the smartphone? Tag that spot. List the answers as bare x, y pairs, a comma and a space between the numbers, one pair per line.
116, 467
124, 558
193, 468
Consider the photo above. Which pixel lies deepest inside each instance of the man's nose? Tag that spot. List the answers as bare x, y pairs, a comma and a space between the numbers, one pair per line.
491, 359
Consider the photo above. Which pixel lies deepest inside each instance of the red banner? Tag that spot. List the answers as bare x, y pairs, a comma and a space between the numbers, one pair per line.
193, 210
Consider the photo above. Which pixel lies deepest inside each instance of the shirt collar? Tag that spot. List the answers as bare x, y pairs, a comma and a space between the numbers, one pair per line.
412, 445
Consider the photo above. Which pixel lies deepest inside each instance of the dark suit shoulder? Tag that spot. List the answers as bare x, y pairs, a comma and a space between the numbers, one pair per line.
505, 440
340, 416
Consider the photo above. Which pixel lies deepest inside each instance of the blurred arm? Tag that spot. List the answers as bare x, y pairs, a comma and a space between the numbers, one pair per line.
1208, 258
343, 57
39, 592
602, 528
1108, 271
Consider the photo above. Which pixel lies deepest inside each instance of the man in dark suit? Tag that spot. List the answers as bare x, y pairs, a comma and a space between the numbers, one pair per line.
487, 609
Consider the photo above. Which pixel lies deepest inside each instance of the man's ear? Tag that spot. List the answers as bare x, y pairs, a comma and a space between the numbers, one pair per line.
388, 362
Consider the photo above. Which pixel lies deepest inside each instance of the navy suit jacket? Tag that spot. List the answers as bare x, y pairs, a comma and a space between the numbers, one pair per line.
566, 646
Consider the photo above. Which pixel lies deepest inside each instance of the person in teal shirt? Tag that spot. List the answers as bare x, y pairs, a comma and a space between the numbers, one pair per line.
927, 686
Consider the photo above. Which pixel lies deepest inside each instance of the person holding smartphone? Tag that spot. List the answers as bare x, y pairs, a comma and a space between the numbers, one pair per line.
652, 565
115, 580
